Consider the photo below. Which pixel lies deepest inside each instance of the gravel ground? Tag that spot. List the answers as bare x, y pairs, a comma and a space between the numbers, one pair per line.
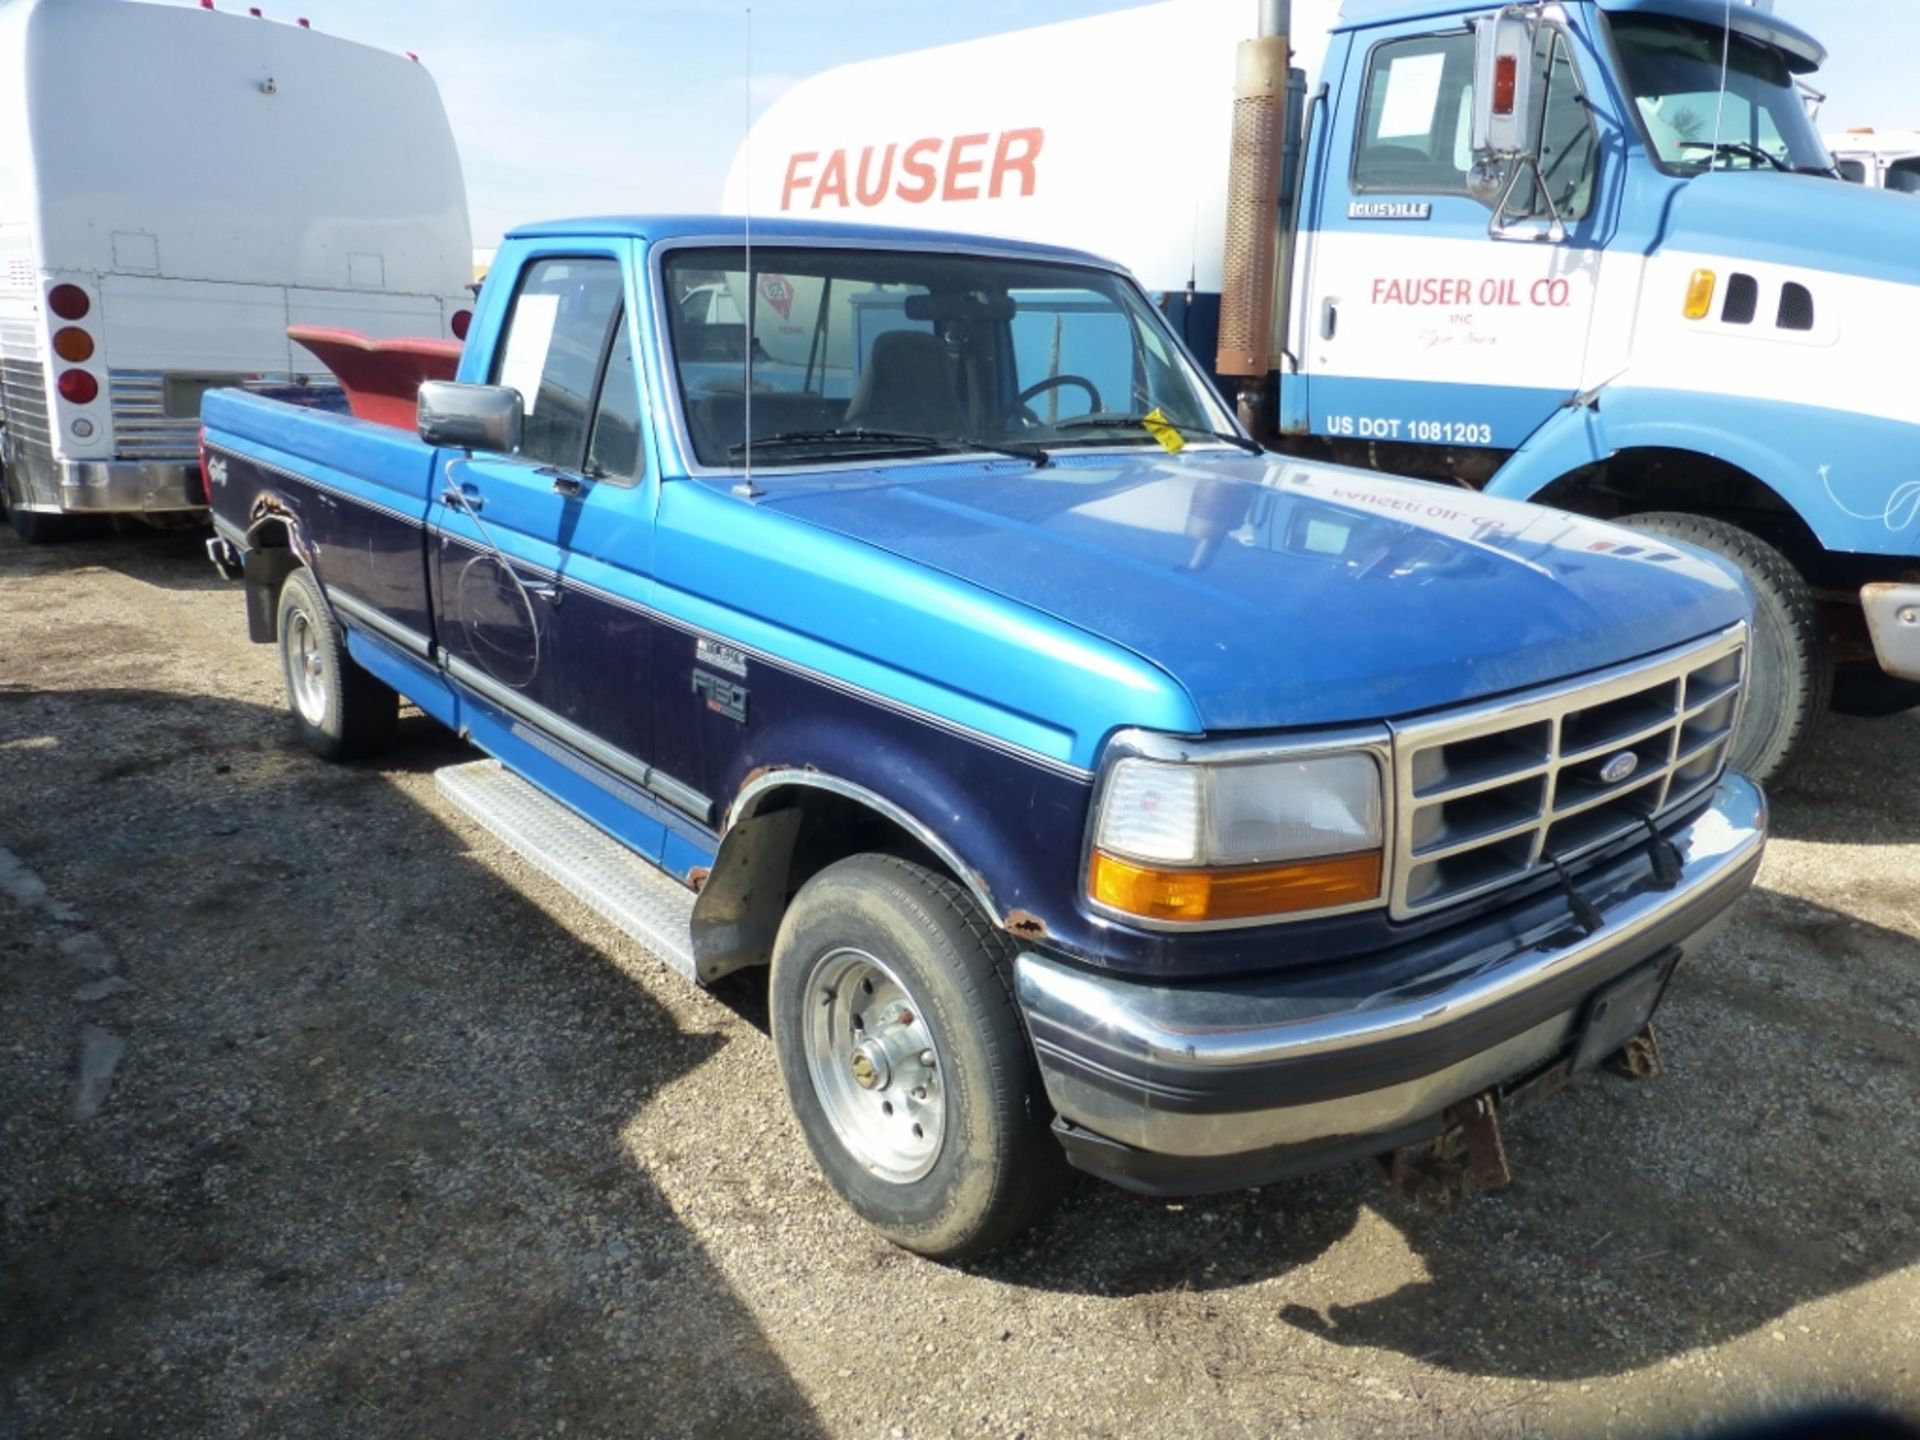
322, 1116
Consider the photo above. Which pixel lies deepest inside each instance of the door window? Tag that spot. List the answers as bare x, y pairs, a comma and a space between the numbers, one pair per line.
1419, 105
1567, 143
614, 451
1416, 133
562, 317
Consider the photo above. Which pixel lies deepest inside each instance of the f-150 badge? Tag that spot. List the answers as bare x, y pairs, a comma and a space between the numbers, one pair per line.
723, 696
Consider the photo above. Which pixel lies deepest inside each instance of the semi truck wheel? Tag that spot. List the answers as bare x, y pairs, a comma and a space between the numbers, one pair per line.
340, 711
1790, 668
905, 1060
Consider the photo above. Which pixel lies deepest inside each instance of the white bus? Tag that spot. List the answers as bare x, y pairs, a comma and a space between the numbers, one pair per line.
177, 187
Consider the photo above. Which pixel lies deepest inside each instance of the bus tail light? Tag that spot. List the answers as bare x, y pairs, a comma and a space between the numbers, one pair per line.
69, 302
73, 344
77, 387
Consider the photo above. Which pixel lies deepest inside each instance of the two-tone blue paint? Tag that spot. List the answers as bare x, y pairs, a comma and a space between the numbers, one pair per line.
956, 639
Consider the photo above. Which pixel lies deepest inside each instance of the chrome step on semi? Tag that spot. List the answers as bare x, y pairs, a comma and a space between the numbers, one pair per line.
609, 879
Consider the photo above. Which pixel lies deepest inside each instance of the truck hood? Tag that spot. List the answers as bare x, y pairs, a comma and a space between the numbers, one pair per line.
1284, 594
1805, 221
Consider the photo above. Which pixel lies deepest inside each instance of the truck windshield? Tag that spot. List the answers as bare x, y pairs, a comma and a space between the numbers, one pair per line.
874, 353
1673, 70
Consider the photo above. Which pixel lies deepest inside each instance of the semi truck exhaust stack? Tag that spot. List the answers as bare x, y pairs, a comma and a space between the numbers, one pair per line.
1253, 200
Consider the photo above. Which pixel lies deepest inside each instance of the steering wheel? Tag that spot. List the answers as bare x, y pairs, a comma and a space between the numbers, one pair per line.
1022, 407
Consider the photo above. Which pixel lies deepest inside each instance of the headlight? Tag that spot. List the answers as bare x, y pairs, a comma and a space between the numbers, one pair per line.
1212, 841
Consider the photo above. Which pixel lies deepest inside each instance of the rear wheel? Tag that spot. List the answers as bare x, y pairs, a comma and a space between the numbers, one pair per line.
1790, 667
340, 711
905, 1060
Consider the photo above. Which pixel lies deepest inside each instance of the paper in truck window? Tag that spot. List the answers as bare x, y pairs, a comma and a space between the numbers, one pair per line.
528, 341
1413, 94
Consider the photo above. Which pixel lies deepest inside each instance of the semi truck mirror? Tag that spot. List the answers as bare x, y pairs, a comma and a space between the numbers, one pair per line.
1512, 51
471, 417
1505, 75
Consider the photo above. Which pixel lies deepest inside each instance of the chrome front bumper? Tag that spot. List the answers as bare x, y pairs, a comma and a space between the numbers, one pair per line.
1893, 619
1320, 1061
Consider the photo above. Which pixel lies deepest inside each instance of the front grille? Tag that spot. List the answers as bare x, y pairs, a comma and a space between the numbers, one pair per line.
1497, 794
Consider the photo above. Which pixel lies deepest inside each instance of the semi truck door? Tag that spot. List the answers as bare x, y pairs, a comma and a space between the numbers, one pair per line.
1413, 324
543, 558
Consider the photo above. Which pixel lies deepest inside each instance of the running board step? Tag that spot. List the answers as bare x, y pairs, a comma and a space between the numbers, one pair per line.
632, 895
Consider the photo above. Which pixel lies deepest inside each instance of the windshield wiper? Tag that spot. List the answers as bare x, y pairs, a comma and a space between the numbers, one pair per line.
946, 444
1139, 422
1738, 147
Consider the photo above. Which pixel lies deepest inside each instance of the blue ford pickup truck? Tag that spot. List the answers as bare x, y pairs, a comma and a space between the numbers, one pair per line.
903, 612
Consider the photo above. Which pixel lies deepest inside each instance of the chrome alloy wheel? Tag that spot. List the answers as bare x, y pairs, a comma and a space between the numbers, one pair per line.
872, 1060
306, 670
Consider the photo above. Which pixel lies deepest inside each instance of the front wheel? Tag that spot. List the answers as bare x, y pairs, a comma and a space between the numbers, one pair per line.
340, 711
905, 1061
1789, 666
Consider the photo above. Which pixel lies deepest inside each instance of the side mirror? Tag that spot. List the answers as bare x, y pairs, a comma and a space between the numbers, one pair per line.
471, 417
1504, 73
1509, 77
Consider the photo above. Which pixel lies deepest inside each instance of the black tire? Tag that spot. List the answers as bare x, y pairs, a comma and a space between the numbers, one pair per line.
995, 1168
340, 711
1790, 668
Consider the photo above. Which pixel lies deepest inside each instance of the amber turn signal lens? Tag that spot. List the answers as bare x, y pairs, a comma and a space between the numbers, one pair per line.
73, 344
1247, 893
1700, 294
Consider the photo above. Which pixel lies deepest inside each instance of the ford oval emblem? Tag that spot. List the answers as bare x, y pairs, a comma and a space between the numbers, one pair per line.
1620, 768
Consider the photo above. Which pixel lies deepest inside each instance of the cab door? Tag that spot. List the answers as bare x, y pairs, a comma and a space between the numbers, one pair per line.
544, 557
1412, 324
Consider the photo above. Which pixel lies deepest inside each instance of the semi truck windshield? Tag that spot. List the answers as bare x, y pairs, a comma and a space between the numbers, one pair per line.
1673, 69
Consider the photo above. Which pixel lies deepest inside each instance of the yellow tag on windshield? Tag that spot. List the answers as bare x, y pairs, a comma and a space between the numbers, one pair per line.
1156, 424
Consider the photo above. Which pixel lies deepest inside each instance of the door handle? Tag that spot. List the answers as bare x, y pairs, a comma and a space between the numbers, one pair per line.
463, 498
1329, 319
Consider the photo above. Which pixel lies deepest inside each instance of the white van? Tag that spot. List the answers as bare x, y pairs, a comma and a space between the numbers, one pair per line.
177, 187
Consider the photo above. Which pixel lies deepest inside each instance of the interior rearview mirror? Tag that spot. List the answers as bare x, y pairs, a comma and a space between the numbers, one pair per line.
470, 417
1504, 76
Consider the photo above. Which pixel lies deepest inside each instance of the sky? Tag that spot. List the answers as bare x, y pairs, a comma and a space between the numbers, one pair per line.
569, 107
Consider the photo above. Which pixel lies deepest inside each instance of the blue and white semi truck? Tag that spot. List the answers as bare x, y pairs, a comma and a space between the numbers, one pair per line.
1078, 774
1587, 253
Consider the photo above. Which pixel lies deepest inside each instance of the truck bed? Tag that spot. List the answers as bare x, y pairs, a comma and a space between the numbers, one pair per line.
311, 467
